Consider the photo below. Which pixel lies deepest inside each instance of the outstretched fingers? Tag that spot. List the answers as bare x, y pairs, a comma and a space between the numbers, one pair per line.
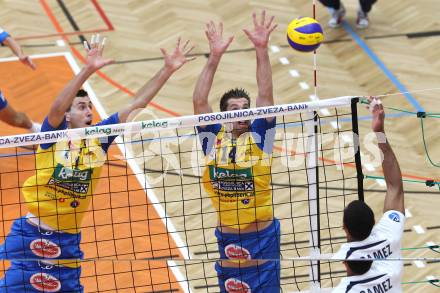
95, 43
254, 18
164, 52
374, 102
247, 32
179, 39
189, 50
101, 46
263, 17
185, 45
230, 39
213, 27
269, 24
86, 46
273, 28
190, 58
108, 61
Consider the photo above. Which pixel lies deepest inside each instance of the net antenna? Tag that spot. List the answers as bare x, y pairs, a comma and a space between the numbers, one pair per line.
313, 180
313, 197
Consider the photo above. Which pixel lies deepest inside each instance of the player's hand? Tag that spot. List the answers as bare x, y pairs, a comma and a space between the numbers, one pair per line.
378, 113
26, 60
217, 44
262, 30
94, 59
176, 59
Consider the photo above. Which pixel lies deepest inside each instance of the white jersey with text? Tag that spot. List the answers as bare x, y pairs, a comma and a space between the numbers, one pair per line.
384, 277
383, 242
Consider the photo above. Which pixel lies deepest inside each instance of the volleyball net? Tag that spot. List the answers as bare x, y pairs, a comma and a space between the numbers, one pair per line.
149, 200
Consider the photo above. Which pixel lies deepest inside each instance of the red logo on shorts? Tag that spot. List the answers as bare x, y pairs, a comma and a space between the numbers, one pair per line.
236, 286
234, 251
45, 283
45, 248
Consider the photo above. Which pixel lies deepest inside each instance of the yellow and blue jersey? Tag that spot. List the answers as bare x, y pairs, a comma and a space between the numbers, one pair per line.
3, 35
65, 177
237, 176
3, 101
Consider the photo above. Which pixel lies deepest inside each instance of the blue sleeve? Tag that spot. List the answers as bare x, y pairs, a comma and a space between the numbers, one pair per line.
3, 102
107, 141
3, 35
47, 127
264, 133
208, 136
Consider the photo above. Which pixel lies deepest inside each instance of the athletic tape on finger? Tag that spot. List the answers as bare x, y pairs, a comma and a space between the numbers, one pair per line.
373, 104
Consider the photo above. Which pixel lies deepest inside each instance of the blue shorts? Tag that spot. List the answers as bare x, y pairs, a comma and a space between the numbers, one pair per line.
35, 276
257, 279
26, 241
3, 102
264, 244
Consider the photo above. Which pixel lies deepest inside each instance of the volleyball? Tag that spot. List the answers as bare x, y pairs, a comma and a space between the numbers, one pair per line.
304, 34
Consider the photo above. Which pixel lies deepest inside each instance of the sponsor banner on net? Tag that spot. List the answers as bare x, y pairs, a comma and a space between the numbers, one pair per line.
33, 138
253, 113
152, 125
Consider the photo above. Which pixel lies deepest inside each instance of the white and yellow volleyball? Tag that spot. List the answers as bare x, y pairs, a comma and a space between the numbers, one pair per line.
305, 34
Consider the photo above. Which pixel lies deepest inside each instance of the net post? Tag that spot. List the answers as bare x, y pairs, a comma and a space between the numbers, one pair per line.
356, 145
313, 198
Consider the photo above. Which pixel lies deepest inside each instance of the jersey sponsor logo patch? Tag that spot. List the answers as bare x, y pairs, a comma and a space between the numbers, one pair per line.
395, 217
45, 248
229, 174
229, 180
234, 251
236, 286
74, 180
62, 173
45, 282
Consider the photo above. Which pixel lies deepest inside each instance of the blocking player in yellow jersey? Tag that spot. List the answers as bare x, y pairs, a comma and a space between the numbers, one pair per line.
59, 193
237, 176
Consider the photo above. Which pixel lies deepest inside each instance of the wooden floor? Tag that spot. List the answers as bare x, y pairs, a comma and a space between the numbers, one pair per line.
137, 29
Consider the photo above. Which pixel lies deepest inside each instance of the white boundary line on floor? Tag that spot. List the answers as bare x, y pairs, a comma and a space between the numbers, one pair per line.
134, 167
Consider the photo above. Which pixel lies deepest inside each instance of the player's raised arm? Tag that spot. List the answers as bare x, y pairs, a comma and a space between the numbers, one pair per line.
173, 61
16, 49
218, 47
394, 199
94, 62
260, 38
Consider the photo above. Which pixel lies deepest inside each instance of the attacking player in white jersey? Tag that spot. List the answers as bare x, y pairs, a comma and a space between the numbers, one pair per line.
369, 241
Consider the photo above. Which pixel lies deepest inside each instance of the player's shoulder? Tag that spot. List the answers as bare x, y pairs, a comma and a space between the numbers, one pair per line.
390, 219
3, 35
394, 216
265, 123
390, 226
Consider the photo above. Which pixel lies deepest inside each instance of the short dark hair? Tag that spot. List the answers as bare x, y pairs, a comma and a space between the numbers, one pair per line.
233, 93
359, 267
81, 93
358, 219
